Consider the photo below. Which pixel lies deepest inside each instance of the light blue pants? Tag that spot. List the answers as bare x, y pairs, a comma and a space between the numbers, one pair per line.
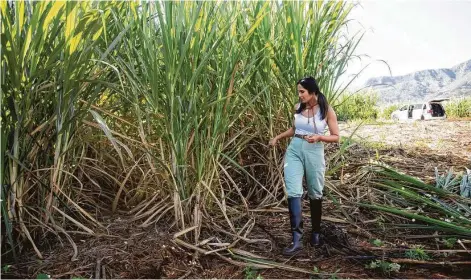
304, 158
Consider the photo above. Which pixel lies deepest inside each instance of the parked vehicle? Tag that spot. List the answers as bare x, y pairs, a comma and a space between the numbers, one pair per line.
430, 110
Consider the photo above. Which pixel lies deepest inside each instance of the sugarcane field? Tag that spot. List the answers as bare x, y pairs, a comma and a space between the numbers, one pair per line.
235, 140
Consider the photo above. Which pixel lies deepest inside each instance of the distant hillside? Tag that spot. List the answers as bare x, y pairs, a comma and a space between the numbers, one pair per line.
425, 84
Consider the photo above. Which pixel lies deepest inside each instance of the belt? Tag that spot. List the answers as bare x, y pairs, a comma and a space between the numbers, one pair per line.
300, 136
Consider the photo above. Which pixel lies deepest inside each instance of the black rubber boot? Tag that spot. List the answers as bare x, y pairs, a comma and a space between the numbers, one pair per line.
316, 214
296, 220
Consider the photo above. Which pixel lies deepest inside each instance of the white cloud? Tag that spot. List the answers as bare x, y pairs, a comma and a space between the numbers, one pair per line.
411, 36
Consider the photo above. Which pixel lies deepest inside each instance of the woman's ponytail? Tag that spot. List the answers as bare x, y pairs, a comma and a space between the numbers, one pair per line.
301, 107
323, 104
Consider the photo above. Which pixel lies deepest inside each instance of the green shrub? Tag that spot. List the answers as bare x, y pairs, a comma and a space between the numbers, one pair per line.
358, 106
458, 108
385, 267
387, 111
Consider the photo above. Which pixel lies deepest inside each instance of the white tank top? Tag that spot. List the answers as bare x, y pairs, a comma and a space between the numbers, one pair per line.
305, 125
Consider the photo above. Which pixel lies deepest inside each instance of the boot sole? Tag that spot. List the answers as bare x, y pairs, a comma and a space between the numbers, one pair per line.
293, 253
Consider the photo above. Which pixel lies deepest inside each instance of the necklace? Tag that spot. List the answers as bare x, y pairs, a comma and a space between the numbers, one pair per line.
313, 118
308, 111
312, 106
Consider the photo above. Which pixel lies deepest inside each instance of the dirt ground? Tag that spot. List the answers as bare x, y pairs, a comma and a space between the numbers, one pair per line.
127, 251
133, 253
440, 137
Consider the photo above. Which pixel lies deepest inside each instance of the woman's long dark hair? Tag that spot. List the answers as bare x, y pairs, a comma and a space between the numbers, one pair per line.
310, 84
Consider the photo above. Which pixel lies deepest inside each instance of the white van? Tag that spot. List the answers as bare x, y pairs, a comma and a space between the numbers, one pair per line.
431, 110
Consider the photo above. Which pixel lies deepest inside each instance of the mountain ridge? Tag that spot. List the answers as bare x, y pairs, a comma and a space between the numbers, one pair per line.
423, 84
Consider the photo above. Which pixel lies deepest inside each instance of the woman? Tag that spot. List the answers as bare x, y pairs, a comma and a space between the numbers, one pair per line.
305, 156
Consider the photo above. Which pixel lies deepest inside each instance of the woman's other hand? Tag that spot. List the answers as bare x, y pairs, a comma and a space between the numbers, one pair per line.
313, 138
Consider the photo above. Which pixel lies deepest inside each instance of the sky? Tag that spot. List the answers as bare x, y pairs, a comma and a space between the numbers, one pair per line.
410, 35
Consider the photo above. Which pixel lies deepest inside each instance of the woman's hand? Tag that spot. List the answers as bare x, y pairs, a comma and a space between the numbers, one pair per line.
273, 142
313, 138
